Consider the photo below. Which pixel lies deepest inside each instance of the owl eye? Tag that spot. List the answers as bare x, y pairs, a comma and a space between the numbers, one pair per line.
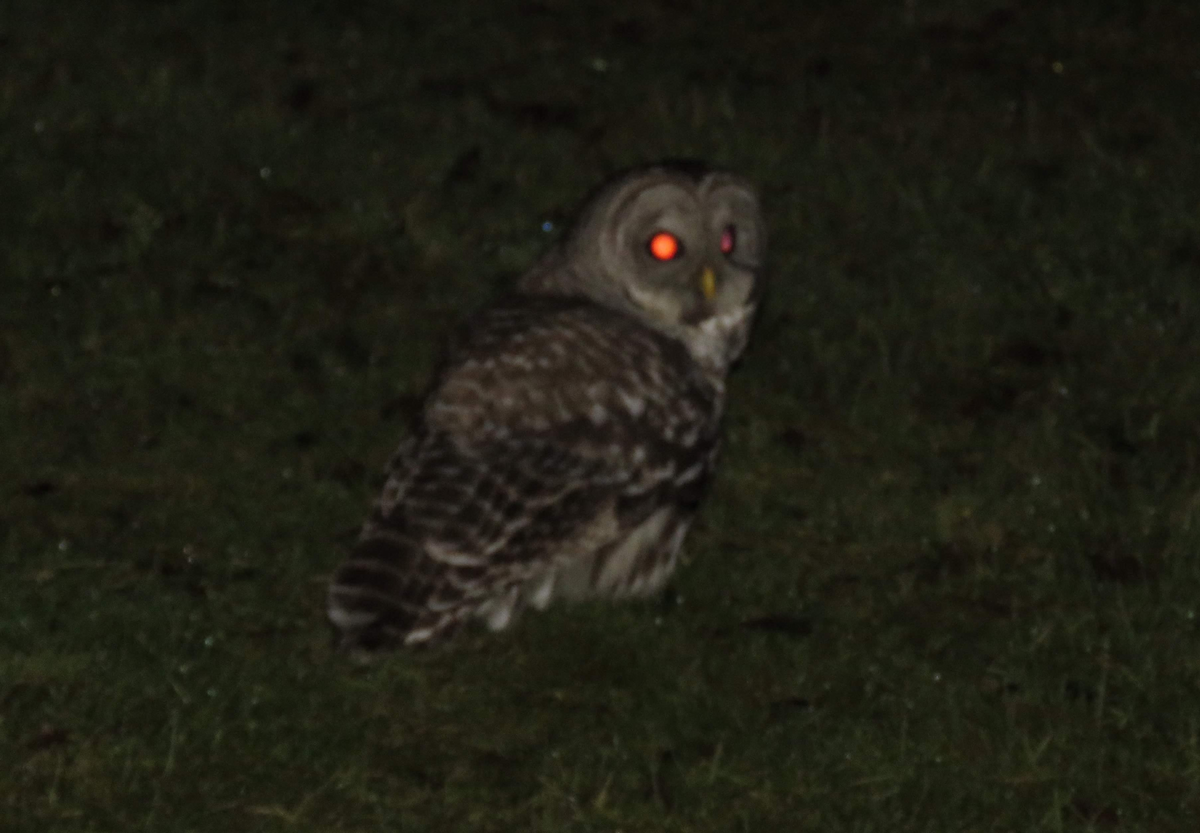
664, 246
728, 240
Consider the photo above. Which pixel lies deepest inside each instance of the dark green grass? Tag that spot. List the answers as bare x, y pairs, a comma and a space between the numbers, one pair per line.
947, 578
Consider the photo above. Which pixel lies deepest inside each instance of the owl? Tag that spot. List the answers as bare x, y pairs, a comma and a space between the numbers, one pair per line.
563, 450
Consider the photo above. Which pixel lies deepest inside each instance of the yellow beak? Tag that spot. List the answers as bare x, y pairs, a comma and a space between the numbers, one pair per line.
708, 283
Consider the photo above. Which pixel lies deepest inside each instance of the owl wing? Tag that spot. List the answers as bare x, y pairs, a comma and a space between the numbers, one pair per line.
557, 427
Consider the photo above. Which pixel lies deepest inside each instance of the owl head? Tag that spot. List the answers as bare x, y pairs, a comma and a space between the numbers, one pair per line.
678, 247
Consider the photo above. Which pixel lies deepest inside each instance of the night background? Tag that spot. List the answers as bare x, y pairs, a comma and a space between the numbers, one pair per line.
947, 578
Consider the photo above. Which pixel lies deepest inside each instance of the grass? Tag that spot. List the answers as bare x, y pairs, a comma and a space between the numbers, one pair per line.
947, 579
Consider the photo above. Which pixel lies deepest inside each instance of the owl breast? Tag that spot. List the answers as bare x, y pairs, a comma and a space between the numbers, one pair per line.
636, 564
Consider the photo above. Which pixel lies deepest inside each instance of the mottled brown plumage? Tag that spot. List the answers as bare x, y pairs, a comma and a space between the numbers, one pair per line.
564, 450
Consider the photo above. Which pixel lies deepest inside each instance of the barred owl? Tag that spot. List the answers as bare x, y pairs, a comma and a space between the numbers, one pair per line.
564, 449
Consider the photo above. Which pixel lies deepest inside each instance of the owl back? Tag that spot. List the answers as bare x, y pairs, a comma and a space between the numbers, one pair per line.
561, 452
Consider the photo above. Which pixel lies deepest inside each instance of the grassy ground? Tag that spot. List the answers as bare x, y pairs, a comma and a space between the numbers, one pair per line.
948, 577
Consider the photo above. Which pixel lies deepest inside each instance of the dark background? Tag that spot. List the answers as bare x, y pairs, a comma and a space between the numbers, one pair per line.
947, 578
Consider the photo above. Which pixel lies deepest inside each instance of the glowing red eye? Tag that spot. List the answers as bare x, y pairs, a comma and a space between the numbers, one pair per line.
664, 246
728, 240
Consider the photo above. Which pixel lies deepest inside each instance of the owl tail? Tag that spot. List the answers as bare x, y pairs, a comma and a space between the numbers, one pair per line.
379, 597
